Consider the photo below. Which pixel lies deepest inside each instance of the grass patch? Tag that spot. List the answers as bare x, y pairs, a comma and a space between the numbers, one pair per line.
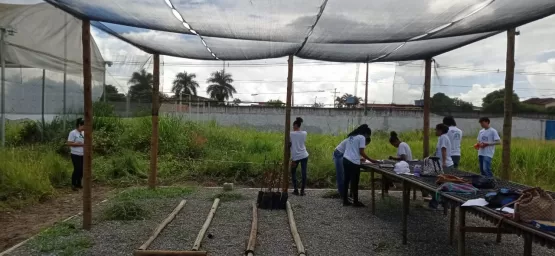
228, 196
62, 239
159, 193
125, 210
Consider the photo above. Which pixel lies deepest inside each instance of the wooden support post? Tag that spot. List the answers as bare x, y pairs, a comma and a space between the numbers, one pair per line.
202, 231
427, 101
87, 99
406, 203
366, 92
154, 138
462, 234
286, 141
373, 187
294, 231
452, 224
254, 230
508, 113
163, 225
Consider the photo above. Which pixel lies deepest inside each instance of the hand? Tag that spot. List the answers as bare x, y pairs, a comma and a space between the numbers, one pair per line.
293, 164
483, 144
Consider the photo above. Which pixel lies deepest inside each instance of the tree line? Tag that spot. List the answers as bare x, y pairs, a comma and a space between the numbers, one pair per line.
219, 88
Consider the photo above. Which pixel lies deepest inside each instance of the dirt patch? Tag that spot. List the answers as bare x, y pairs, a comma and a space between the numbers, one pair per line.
18, 225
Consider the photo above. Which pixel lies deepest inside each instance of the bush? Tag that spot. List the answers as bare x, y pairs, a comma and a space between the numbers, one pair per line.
125, 210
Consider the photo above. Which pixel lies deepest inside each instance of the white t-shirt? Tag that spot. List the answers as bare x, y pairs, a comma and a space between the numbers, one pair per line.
455, 136
352, 148
404, 149
489, 135
444, 142
341, 146
76, 136
298, 149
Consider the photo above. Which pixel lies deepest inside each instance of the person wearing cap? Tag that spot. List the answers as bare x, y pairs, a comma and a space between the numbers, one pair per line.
76, 141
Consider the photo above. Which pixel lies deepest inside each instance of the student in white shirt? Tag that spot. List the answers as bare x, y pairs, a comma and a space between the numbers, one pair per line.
354, 152
338, 161
487, 139
455, 136
298, 155
76, 141
443, 147
403, 150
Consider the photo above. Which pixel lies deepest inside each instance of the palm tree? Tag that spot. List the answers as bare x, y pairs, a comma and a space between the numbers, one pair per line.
141, 86
220, 87
185, 83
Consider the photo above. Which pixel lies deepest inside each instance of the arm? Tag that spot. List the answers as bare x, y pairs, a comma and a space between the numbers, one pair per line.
402, 157
74, 144
363, 154
444, 157
496, 140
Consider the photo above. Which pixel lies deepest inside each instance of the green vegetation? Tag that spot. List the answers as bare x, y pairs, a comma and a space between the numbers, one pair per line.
228, 196
30, 171
62, 239
125, 210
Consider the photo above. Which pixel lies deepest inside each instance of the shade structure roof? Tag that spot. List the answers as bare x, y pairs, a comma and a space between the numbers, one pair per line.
328, 30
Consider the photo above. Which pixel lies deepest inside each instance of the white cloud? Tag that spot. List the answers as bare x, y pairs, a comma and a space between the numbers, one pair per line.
478, 92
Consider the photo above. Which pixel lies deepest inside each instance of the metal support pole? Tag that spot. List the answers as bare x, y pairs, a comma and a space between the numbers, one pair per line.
462, 233
406, 203
366, 92
452, 224
42, 104
3, 88
508, 113
154, 138
373, 187
64, 105
287, 125
527, 245
427, 101
104, 84
128, 105
87, 88
180, 102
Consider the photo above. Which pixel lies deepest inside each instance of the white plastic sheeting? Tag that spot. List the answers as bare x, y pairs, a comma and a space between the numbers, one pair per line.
46, 38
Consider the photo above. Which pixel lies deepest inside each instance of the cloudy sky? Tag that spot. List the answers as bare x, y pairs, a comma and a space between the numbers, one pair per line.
468, 73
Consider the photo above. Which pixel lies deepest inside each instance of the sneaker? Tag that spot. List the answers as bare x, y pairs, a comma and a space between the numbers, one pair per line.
79, 187
358, 204
347, 203
74, 188
295, 192
302, 193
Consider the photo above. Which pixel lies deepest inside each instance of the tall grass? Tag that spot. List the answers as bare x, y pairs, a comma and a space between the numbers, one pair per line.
208, 152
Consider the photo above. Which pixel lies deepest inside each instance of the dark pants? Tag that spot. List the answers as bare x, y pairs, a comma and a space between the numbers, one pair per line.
456, 161
352, 176
77, 170
304, 163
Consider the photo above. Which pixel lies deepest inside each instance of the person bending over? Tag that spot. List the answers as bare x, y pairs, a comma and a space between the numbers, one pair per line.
354, 152
338, 160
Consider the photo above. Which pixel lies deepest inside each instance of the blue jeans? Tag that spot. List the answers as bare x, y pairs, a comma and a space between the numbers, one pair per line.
339, 172
303, 163
485, 166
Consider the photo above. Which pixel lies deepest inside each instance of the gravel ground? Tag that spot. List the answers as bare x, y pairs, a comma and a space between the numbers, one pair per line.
325, 227
230, 228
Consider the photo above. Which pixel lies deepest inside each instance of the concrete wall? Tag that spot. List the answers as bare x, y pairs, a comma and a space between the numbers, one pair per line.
334, 121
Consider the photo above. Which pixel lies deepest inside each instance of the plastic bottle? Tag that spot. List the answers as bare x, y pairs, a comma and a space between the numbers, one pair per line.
417, 170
